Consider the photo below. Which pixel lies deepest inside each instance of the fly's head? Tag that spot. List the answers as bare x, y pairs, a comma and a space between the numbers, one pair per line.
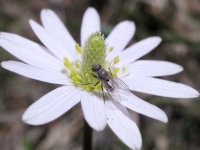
96, 67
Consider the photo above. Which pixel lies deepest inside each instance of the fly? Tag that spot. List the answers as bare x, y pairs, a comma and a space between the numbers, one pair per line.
113, 85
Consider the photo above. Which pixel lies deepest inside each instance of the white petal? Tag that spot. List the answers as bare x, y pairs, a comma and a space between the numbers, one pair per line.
30, 45
29, 52
160, 87
136, 104
153, 68
36, 73
49, 42
121, 123
94, 110
119, 37
139, 49
54, 26
52, 105
90, 24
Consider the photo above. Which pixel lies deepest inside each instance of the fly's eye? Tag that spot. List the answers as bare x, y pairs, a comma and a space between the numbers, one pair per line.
95, 67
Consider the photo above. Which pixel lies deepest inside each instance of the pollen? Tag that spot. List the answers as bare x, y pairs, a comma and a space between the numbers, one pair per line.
67, 63
78, 48
116, 60
110, 49
115, 71
77, 64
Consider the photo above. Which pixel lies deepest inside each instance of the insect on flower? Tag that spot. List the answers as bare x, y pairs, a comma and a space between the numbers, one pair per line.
65, 63
113, 85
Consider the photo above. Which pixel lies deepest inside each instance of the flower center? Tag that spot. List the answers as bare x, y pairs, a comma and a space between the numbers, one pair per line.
93, 52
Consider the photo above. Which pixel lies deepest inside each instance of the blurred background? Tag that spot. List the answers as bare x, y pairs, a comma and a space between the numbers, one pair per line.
176, 21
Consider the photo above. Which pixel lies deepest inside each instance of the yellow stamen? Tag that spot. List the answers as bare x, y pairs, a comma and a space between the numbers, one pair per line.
77, 65
78, 77
67, 63
78, 48
115, 71
116, 59
77, 82
111, 49
73, 73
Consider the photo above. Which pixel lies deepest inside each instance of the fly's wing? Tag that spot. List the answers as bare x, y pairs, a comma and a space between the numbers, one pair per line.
112, 90
122, 87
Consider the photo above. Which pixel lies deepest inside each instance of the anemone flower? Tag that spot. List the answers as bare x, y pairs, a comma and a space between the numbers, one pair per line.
62, 61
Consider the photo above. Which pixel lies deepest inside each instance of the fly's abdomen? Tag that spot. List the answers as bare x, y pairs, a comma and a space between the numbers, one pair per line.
111, 85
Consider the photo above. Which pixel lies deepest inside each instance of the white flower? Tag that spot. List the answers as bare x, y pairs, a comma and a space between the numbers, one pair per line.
46, 64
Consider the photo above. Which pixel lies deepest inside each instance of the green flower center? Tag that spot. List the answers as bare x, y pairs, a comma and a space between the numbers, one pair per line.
93, 52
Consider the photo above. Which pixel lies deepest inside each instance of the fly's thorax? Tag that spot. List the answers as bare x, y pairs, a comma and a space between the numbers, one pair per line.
104, 75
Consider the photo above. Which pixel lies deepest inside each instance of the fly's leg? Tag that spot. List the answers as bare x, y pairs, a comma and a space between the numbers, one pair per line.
110, 71
93, 75
94, 84
101, 86
97, 83
103, 93
87, 84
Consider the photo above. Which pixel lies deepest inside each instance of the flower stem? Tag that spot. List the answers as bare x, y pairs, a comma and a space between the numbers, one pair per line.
87, 137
